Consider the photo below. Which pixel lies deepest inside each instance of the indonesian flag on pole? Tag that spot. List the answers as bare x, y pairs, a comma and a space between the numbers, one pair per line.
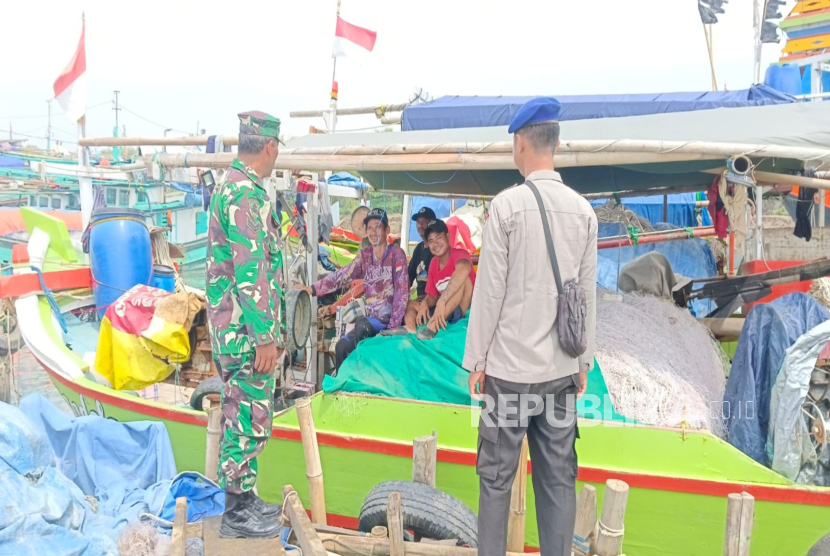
70, 86
347, 33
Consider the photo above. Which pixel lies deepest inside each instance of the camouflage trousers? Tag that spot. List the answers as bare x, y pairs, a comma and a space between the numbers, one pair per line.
247, 401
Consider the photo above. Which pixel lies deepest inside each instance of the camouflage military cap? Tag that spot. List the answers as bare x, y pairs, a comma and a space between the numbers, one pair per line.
256, 122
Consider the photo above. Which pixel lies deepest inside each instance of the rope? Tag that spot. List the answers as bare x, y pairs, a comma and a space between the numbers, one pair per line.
633, 234
56, 310
690, 232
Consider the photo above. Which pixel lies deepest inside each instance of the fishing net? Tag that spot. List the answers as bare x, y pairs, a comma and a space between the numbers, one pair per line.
661, 366
613, 212
142, 539
820, 291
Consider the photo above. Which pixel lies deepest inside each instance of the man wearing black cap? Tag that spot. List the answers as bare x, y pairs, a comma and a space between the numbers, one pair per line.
449, 288
421, 256
382, 266
513, 349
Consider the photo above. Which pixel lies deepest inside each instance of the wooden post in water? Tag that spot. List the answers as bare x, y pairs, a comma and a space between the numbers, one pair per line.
313, 467
586, 521
394, 524
310, 542
740, 513
612, 522
177, 541
424, 455
518, 505
212, 448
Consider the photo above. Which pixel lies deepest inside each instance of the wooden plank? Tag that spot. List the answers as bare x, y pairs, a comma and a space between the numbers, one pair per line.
178, 539
809, 43
518, 505
217, 546
424, 456
586, 520
310, 542
212, 448
370, 546
394, 524
612, 522
17, 285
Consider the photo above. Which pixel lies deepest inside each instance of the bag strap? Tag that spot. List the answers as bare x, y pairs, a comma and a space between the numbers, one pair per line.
548, 238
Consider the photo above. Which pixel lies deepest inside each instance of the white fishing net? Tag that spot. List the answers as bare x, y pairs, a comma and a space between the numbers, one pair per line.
820, 290
143, 539
661, 366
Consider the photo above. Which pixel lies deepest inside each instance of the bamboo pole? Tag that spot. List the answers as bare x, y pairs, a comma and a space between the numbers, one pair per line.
394, 523
177, 542
612, 522
740, 513
314, 469
518, 505
346, 545
424, 456
380, 532
586, 521
212, 445
383, 109
699, 150
782, 179
309, 540
654, 237
724, 328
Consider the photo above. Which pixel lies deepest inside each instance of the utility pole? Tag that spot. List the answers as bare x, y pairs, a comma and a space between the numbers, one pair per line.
116, 152
49, 126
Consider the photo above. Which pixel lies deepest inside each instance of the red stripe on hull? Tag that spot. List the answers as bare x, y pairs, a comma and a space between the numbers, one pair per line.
586, 474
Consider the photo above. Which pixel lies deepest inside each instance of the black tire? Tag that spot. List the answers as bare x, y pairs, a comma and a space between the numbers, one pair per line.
426, 511
298, 314
211, 385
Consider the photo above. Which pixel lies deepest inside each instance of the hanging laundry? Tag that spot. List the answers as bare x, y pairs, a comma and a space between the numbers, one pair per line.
734, 198
803, 210
716, 209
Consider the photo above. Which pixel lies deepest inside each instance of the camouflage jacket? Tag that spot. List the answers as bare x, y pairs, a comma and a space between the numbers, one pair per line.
243, 264
385, 283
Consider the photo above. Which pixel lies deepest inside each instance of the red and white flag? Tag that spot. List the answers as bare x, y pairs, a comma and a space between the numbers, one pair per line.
348, 33
70, 86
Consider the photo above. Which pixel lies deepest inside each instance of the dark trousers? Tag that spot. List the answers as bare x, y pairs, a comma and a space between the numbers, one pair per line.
551, 436
362, 329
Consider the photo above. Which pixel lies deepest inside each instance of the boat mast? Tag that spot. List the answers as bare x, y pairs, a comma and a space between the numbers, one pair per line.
84, 181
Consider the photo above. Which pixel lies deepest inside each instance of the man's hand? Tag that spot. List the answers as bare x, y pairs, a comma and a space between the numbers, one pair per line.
438, 316
476, 382
306, 289
423, 314
583, 383
266, 358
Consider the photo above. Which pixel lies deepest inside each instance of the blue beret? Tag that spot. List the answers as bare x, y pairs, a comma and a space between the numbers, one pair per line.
536, 111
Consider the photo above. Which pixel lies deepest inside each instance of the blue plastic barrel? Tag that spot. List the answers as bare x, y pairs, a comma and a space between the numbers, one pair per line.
785, 78
164, 278
120, 254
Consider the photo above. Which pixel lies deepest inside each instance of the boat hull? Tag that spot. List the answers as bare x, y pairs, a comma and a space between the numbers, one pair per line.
676, 505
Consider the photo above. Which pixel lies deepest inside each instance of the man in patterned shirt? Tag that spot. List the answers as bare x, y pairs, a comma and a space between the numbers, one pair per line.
243, 260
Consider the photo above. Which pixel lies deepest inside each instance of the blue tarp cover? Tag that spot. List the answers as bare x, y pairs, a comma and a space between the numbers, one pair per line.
52, 466
457, 111
12, 162
770, 329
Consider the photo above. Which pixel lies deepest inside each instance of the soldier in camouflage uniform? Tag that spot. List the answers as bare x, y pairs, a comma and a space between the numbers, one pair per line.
242, 306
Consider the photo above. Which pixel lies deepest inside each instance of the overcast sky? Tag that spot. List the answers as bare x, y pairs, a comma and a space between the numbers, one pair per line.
179, 62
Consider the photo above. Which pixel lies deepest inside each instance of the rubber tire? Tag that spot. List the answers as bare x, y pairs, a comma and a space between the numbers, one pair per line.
291, 299
211, 385
426, 511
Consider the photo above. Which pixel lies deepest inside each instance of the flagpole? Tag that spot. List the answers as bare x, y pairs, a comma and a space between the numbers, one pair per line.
333, 102
84, 181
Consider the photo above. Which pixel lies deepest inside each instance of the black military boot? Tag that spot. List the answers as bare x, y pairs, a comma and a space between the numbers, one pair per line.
242, 520
271, 511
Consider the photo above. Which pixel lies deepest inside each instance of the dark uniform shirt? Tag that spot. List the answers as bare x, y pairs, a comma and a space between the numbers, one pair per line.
418, 267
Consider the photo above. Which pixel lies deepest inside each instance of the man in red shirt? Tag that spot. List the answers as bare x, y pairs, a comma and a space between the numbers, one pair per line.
450, 282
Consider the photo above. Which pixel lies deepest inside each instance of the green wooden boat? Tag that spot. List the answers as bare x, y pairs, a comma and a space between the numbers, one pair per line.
679, 479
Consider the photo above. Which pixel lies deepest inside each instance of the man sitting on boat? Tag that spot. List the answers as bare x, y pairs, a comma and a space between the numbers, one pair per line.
449, 286
382, 266
421, 256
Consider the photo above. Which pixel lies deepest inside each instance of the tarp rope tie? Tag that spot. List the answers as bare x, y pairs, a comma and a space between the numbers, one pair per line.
56, 310
611, 532
634, 234
582, 544
690, 233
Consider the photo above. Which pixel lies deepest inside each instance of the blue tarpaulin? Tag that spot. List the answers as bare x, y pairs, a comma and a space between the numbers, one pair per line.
456, 111
52, 469
770, 329
681, 209
12, 162
346, 179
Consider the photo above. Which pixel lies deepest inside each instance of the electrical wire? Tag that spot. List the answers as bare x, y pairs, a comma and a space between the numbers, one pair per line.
151, 121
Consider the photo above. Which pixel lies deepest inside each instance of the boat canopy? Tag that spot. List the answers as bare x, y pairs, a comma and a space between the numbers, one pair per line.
785, 124
452, 112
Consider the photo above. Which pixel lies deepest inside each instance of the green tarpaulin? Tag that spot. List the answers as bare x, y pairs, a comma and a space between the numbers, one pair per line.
405, 367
